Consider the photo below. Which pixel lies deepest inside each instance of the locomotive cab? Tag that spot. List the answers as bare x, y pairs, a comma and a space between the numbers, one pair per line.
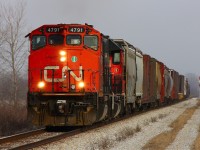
69, 76
64, 75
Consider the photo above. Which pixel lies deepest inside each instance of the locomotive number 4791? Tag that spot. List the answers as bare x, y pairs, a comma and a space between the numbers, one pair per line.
76, 29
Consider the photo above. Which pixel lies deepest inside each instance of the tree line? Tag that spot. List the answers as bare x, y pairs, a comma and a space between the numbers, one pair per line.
13, 52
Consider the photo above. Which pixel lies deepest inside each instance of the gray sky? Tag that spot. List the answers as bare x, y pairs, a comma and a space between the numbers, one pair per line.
168, 30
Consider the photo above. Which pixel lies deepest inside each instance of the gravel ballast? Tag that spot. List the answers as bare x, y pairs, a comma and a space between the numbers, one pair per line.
135, 132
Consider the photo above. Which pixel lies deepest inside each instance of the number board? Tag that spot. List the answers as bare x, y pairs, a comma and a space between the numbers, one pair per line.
54, 29
76, 29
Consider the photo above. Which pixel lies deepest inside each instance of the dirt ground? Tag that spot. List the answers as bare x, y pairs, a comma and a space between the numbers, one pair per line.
197, 142
168, 137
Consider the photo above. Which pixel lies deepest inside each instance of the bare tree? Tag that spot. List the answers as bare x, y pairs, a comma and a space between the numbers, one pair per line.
2, 37
2, 31
13, 51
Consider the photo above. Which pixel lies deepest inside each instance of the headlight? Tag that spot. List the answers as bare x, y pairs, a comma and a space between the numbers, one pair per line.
62, 53
63, 59
81, 84
41, 84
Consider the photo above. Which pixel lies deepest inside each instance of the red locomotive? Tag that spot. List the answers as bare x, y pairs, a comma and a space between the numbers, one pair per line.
78, 76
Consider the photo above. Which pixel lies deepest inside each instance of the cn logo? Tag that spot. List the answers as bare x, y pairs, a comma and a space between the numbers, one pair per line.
63, 70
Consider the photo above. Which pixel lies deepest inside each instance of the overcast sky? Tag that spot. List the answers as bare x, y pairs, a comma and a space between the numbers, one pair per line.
168, 30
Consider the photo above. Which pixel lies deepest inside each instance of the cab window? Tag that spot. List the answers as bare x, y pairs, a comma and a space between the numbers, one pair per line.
73, 39
56, 39
116, 58
38, 41
91, 41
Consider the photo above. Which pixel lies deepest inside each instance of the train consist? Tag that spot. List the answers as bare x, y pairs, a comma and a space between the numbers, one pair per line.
77, 76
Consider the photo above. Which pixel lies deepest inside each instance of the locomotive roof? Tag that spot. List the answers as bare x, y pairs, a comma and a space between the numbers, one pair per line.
122, 42
114, 46
62, 26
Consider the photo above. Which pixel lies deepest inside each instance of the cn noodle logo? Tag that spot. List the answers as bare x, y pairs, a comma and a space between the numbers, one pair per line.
64, 69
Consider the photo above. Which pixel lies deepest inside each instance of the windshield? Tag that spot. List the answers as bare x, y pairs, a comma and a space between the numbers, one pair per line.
73, 39
38, 41
91, 41
56, 39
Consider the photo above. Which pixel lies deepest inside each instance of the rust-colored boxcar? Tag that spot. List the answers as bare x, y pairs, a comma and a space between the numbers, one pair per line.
175, 88
160, 81
146, 78
153, 84
153, 81
181, 87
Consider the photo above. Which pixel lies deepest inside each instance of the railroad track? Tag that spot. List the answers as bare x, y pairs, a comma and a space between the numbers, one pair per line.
17, 137
21, 136
33, 139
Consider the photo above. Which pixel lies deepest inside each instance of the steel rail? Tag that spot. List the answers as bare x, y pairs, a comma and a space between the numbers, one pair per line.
21, 136
48, 140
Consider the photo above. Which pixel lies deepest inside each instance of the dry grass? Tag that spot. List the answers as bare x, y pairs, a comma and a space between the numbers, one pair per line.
127, 132
13, 119
146, 123
105, 143
138, 128
186, 104
122, 135
161, 116
153, 119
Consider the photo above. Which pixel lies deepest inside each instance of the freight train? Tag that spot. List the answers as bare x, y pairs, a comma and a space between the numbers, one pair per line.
78, 76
